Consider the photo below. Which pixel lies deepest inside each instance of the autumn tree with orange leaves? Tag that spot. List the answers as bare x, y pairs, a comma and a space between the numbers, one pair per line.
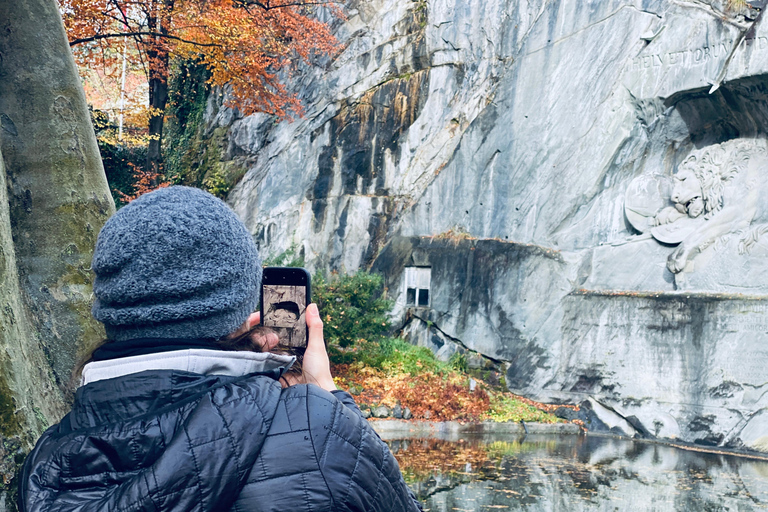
244, 44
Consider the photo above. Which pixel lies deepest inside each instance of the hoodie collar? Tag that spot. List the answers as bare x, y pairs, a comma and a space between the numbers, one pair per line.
201, 361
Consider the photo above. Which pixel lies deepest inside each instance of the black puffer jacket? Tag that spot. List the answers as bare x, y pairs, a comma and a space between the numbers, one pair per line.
168, 440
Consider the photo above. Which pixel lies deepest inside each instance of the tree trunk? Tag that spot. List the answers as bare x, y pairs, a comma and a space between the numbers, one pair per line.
54, 198
158, 98
157, 55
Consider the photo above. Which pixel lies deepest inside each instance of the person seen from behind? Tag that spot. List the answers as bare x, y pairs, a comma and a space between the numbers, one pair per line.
190, 405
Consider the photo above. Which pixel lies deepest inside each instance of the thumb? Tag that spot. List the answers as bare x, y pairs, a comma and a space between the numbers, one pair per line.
315, 325
316, 366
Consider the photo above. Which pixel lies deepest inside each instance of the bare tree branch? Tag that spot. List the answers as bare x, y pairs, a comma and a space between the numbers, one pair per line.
135, 34
267, 7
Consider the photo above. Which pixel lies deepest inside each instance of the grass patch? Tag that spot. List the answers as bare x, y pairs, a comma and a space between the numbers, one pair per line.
508, 407
393, 356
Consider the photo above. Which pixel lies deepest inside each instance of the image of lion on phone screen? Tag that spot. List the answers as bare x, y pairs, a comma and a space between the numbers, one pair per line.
284, 308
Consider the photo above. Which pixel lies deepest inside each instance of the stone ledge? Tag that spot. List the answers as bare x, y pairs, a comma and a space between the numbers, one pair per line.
390, 429
644, 294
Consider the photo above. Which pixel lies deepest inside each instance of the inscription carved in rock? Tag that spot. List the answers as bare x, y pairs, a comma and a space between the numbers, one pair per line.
693, 56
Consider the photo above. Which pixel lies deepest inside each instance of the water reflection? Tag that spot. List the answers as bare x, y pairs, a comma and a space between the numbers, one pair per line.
553, 473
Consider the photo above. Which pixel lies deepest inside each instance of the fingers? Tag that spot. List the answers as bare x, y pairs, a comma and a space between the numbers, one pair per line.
254, 319
265, 341
271, 340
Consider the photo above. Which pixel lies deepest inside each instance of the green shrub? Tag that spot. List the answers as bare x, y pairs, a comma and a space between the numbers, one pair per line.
458, 362
392, 355
352, 308
357, 329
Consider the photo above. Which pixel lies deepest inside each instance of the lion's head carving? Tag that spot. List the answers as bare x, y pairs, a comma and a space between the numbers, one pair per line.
700, 179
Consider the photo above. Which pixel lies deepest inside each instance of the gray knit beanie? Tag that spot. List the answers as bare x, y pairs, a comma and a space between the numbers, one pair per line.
175, 263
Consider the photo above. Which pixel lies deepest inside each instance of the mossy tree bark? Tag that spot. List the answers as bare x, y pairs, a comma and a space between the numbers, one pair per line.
54, 198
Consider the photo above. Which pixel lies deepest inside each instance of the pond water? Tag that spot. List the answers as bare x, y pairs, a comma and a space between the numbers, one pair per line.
577, 473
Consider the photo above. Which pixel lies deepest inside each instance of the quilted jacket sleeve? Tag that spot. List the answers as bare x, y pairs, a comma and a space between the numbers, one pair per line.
192, 456
360, 471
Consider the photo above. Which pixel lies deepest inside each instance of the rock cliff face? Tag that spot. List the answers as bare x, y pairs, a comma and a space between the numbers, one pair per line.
584, 178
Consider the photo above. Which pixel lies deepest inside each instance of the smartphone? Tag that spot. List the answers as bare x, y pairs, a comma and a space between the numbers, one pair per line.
285, 295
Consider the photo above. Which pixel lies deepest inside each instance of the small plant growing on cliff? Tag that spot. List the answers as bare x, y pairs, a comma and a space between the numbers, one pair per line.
290, 257
454, 235
458, 362
421, 13
216, 184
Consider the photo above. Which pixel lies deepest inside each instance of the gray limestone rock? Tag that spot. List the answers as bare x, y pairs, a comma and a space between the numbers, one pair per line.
584, 181
566, 413
382, 411
614, 422
754, 435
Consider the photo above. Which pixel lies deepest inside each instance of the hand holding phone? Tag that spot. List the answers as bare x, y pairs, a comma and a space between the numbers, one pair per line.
316, 367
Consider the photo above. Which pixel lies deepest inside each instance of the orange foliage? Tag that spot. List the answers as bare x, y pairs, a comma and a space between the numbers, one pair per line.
144, 181
437, 396
427, 395
424, 457
244, 43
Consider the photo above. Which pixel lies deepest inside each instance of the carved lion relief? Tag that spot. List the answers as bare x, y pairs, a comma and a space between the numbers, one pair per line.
713, 194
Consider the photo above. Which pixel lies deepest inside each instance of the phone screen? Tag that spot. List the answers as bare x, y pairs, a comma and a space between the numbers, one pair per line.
283, 309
